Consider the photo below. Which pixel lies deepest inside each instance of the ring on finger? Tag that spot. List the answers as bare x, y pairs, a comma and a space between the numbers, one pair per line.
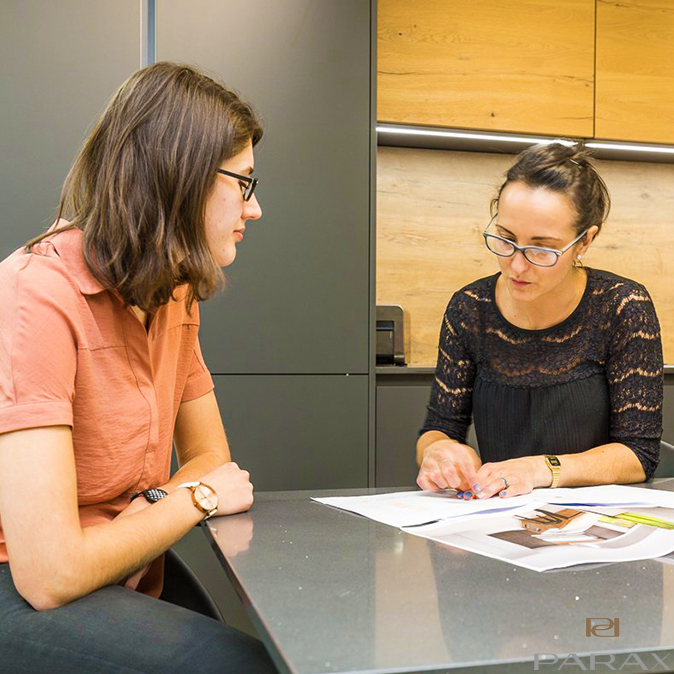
505, 482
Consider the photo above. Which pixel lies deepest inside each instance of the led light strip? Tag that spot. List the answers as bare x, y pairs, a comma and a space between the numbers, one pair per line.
441, 133
630, 148
467, 135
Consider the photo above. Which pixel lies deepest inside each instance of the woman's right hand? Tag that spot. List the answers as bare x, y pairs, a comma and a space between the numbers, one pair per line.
448, 465
233, 487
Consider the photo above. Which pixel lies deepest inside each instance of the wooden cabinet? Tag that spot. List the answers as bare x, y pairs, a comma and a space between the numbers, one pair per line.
524, 66
635, 70
532, 66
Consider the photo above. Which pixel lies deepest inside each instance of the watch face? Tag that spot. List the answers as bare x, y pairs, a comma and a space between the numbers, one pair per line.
554, 461
206, 497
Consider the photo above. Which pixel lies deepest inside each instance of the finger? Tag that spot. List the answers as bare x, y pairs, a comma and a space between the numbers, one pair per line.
467, 475
486, 469
450, 475
441, 473
426, 483
483, 477
454, 479
516, 488
495, 486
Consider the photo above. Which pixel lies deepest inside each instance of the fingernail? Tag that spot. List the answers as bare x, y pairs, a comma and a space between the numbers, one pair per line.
502, 493
477, 487
467, 494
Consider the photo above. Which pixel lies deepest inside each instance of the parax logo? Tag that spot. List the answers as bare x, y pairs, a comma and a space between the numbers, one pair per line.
591, 662
602, 627
600, 661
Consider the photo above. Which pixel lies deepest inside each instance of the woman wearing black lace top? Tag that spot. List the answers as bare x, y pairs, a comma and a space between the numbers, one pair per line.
559, 365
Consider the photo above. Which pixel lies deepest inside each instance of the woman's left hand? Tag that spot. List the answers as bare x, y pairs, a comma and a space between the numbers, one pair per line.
506, 478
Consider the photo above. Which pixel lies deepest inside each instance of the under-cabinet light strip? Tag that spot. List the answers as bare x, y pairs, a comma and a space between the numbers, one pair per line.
467, 135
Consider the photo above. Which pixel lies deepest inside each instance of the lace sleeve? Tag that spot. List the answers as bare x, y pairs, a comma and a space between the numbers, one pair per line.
450, 406
634, 371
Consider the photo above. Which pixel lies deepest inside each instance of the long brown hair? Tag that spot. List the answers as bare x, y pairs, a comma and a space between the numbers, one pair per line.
564, 168
139, 186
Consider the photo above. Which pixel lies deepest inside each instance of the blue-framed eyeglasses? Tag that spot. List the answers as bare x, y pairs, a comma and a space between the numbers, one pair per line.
538, 255
246, 183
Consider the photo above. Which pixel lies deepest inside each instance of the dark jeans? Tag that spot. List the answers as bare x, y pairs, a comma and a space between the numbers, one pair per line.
118, 631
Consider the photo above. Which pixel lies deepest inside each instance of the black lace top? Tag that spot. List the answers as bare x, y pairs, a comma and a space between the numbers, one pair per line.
594, 378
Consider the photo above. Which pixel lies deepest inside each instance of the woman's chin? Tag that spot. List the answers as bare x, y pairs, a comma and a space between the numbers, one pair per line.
227, 256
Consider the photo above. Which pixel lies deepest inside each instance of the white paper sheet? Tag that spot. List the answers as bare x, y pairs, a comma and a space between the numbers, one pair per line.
411, 508
403, 509
591, 540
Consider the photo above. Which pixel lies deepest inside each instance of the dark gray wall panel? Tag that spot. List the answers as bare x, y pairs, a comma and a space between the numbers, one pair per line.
297, 432
61, 61
400, 413
298, 297
668, 410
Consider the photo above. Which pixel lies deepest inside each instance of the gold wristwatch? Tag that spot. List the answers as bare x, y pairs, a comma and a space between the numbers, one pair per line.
204, 497
555, 467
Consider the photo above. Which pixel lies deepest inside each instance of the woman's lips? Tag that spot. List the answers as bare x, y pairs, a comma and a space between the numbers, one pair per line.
520, 284
239, 233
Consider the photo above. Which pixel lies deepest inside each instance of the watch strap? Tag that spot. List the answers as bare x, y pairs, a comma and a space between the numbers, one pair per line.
555, 467
151, 495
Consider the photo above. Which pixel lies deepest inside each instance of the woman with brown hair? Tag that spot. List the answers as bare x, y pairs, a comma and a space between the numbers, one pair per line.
101, 371
559, 365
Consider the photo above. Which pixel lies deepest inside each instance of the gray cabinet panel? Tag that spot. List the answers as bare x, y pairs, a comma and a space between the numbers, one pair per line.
61, 62
401, 411
298, 295
668, 410
297, 432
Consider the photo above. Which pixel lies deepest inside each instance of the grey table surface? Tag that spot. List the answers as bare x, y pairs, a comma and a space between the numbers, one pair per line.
330, 591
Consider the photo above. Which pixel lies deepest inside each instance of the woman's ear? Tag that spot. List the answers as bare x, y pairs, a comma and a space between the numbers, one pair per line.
587, 240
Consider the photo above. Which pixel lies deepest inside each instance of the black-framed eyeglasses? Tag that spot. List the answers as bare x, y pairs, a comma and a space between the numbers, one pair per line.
538, 255
247, 183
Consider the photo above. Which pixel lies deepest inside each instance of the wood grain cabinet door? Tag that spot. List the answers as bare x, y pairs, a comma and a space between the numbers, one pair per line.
635, 70
523, 66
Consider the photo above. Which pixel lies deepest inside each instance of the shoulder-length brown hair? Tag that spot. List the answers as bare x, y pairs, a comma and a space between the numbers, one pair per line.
139, 186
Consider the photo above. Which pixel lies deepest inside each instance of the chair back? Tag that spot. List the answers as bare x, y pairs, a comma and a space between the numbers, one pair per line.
183, 588
666, 465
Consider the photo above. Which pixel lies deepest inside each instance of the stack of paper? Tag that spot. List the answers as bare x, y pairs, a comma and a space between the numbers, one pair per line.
547, 529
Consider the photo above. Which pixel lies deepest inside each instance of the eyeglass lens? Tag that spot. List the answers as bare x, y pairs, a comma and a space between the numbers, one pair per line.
540, 257
248, 189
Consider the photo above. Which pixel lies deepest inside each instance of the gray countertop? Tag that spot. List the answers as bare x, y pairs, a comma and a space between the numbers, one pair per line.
330, 591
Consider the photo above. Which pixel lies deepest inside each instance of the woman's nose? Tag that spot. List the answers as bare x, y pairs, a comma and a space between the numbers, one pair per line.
519, 263
252, 209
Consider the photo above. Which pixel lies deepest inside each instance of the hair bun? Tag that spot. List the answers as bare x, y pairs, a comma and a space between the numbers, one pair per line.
552, 166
